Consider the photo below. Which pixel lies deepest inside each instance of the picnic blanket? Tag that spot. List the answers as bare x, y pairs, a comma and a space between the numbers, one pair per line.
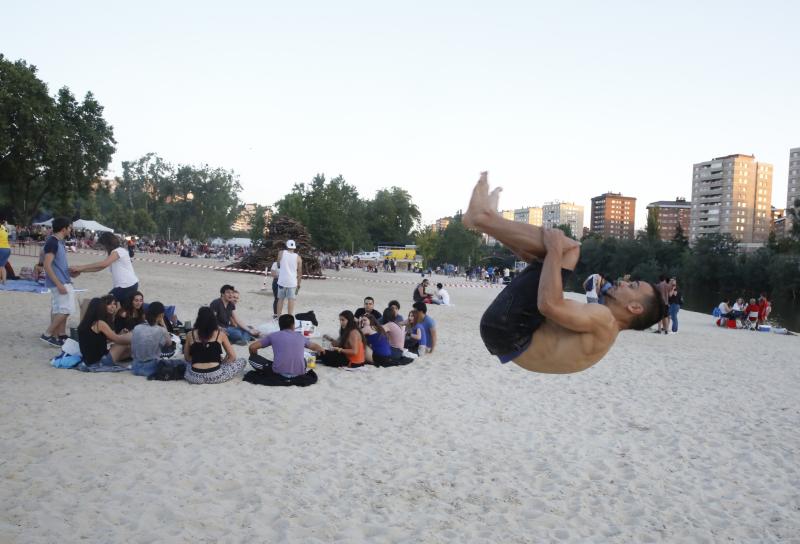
27, 286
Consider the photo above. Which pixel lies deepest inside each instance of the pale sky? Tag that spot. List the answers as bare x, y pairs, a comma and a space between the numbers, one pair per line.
558, 100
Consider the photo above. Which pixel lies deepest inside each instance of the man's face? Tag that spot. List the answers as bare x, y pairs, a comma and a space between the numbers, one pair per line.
369, 304
631, 291
228, 296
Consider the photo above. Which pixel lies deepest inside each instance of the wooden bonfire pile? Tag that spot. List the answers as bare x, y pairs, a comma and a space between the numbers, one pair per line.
280, 229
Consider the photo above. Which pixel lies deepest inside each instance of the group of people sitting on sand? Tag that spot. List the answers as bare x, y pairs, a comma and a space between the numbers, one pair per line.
421, 294
747, 315
111, 333
368, 336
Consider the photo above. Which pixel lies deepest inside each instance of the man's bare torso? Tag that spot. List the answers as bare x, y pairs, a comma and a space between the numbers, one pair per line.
557, 350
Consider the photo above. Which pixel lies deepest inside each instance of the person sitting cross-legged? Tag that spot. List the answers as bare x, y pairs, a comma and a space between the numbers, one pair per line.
442, 296
94, 334
288, 366
369, 308
149, 340
348, 349
415, 333
395, 331
224, 309
204, 349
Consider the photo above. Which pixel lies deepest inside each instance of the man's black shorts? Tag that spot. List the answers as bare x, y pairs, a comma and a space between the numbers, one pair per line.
509, 322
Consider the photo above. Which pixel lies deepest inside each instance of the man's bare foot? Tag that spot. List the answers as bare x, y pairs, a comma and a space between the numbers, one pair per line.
482, 205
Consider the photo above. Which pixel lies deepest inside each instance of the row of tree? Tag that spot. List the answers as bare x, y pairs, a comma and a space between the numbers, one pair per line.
52, 149
156, 198
338, 218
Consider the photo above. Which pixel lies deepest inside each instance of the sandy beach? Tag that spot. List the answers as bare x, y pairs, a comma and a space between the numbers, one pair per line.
692, 437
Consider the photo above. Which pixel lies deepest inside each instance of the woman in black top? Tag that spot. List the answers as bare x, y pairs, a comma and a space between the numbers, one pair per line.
94, 333
204, 348
130, 314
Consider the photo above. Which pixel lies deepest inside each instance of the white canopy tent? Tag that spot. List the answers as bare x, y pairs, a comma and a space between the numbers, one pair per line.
83, 224
241, 242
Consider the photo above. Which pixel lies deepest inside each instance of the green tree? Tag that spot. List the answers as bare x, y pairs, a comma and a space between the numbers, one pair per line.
459, 245
392, 216
794, 213
566, 228
680, 237
427, 241
333, 212
652, 228
258, 231
51, 150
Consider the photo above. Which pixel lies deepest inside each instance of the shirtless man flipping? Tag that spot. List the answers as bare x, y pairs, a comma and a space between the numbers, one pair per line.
530, 322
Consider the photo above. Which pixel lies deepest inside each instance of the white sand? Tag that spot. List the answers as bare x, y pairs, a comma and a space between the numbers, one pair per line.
685, 438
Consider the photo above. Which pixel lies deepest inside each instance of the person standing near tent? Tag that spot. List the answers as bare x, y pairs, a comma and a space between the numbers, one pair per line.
290, 273
124, 279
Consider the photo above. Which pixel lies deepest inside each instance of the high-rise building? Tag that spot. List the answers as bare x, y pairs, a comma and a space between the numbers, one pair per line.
613, 216
441, 224
732, 195
244, 221
793, 190
530, 215
670, 214
563, 213
507, 214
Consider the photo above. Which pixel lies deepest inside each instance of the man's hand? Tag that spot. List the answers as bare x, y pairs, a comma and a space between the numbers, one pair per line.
62, 289
553, 240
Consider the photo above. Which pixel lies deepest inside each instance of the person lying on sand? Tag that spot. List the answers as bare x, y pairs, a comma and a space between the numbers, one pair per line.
569, 336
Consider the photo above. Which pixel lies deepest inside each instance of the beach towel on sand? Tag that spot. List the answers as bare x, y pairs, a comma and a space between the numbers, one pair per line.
25, 286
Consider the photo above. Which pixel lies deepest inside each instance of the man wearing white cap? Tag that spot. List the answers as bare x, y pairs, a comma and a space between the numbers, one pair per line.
290, 273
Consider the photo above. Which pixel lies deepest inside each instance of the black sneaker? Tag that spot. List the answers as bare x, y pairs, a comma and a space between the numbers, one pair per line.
51, 341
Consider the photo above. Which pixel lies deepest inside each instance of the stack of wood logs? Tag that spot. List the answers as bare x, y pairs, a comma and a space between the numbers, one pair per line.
265, 252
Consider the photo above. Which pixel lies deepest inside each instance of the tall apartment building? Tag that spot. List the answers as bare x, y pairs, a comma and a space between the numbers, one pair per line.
531, 215
793, 190
670, 214
613, 216
508, 214
732, 195
244, 221
563, 213
441, 224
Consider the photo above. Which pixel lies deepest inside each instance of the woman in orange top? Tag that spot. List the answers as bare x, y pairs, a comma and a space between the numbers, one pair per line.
348, 349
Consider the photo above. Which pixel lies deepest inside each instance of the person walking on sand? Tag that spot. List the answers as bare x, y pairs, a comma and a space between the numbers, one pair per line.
530, 322
290, 274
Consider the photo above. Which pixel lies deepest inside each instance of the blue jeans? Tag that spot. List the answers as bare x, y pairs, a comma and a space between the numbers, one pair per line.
149, 367
124, 293
235, 334
673, 315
